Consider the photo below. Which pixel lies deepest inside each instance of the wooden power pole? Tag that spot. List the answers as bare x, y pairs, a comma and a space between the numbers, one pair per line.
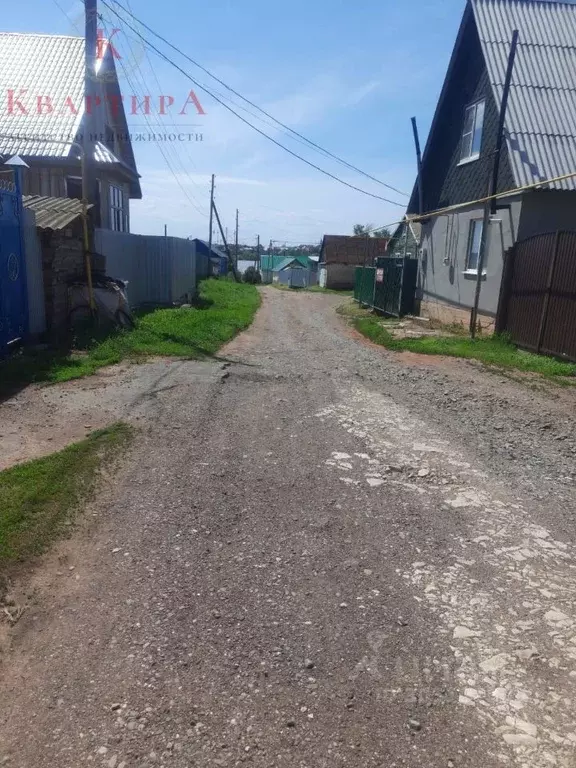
236, 241
211, 217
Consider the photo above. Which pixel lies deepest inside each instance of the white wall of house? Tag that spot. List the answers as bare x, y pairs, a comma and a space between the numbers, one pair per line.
445, 273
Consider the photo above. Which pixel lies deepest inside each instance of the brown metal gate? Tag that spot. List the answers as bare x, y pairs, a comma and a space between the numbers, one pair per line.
538, 297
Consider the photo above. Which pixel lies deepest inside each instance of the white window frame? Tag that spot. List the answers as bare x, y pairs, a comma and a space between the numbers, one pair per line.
117, 209
468, 153
475, 224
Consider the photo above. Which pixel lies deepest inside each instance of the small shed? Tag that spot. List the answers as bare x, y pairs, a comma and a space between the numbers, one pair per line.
296, 272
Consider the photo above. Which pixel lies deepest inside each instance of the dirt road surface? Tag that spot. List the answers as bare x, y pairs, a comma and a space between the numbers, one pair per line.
321, 555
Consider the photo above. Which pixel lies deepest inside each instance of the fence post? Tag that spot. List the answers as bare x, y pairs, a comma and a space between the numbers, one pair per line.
546, 301
505, 290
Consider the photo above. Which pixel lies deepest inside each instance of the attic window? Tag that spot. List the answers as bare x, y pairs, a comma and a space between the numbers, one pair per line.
472, 132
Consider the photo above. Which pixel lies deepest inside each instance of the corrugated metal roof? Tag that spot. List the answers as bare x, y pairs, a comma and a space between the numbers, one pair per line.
39, 66
53, 212
302, 260
541, 116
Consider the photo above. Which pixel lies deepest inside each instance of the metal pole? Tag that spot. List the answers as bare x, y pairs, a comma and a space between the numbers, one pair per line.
494, 180
230, 261
87, 158
211, 218
503, 108
236, 241
419, 166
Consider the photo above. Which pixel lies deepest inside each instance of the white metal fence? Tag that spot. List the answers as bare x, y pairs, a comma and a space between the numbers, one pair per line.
159, 270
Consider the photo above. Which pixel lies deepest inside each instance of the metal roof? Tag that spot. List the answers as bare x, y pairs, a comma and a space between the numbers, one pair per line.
541, 116
216, 251
37, 66
53, 212
303, 261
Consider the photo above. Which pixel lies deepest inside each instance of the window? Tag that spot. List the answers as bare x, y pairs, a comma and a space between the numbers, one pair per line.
472, 132
118, 215
474, 239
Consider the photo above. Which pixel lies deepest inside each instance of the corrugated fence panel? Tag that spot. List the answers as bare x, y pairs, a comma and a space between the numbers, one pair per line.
159, 270
182, 254
34, 276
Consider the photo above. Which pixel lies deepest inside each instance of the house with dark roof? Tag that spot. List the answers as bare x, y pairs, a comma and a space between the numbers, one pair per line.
341, 254
44, 117
539, 144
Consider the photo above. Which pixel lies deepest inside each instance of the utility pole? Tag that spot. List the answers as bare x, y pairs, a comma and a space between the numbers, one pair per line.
87, 159
90, 45
419, 166
211, 217
257, 260
229, 255
236, 241
493, 185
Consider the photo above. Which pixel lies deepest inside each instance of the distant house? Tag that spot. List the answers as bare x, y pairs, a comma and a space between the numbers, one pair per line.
43, 119
341, 254
540, 143
296, 272
217, 257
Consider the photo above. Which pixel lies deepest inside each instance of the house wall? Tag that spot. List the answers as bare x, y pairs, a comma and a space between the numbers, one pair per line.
547, 211
50, 181
340, 277
446, 290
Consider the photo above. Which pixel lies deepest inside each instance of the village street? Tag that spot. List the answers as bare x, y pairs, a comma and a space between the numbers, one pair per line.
319, 554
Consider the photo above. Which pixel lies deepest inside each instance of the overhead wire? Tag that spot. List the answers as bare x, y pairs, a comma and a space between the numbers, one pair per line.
191, 199
247, 122
170, 121
286, 128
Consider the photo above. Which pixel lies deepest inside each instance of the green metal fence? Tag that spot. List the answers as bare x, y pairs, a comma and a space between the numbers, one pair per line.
390, 287
364, 285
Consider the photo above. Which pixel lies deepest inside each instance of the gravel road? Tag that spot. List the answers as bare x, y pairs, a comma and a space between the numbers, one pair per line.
318, 555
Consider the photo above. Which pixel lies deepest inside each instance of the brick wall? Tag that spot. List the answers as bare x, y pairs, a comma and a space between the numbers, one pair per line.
63, 261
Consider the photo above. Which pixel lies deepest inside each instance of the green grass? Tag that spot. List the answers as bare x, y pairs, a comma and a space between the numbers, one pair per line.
225, 308
490, 350
38, 498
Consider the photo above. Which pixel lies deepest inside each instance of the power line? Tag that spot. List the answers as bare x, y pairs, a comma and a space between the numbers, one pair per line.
192, 201
255, 106
171, 123
247, 122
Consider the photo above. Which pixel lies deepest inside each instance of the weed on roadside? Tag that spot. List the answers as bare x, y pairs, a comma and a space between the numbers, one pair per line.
38, 498
223, 309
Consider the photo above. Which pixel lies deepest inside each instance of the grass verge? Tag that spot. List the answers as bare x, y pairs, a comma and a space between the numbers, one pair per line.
494, 351
225, 308
38, 498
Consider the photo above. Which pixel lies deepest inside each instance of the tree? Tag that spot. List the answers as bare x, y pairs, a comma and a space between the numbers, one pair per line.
252, 275
363, 229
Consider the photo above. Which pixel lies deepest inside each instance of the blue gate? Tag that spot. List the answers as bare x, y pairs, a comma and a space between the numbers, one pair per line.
13, 297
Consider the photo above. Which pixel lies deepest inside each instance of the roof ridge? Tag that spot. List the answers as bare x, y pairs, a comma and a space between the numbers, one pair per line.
41, 34
529, 2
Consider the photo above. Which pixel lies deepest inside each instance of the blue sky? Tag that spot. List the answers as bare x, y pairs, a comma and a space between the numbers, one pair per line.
349, 76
